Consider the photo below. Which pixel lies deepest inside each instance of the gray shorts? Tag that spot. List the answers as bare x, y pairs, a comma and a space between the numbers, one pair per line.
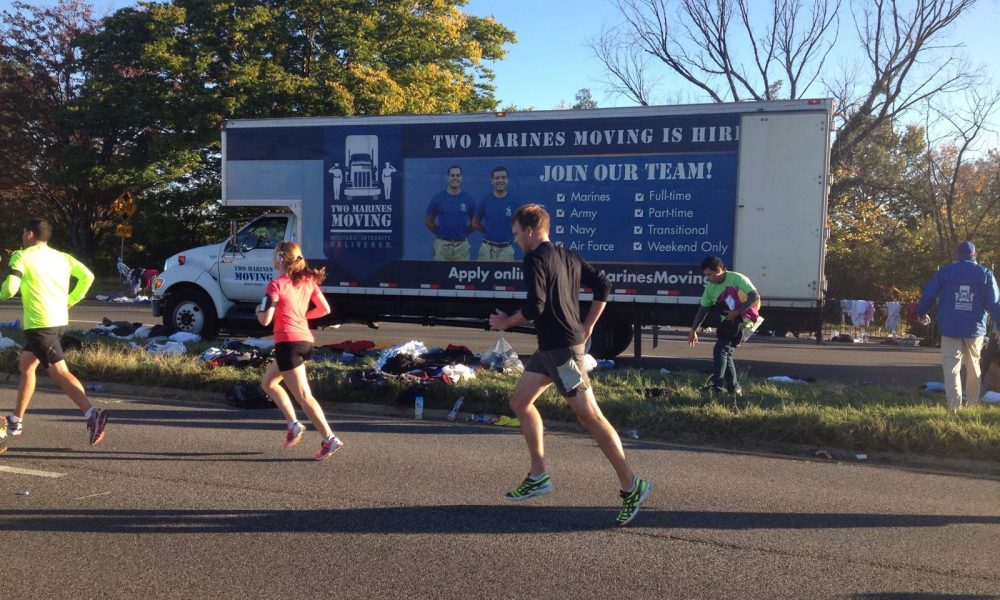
563, 366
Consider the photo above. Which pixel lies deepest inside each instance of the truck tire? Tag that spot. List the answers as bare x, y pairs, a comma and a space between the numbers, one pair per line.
191, 310
611, 337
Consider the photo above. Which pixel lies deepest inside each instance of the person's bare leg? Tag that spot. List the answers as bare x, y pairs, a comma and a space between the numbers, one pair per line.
271, 383
590, 416
522, 402
298, 384
59, 372
27, 365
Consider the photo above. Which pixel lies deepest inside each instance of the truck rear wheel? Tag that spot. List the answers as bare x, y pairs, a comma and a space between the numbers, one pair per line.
611, 337
192, 311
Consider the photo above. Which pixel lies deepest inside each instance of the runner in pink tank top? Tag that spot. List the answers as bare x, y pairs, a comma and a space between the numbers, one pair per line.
287, 303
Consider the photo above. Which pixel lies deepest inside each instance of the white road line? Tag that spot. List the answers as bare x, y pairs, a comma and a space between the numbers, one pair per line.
92, 496
34, 472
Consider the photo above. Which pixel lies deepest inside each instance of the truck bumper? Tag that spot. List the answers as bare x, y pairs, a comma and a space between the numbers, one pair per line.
157, 306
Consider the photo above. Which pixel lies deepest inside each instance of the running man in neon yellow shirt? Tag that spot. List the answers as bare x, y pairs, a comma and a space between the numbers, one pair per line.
42, 275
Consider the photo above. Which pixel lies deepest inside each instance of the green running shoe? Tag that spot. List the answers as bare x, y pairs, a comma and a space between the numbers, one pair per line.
530, 488
632, 501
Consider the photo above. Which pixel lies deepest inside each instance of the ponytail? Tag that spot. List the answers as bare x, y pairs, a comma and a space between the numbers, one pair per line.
295, 265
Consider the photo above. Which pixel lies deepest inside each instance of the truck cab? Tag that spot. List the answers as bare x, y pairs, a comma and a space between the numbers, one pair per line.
202, 288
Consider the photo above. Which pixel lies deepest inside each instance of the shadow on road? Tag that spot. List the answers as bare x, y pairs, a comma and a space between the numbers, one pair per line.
265, 420
920, 596
447, 520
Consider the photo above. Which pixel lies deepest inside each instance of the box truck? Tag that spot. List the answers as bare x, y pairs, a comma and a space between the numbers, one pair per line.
644, 193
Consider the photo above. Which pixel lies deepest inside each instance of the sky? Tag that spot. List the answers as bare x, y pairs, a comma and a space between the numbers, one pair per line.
551, 60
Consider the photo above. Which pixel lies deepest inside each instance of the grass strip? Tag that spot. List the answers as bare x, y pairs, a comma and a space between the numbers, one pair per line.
862, 417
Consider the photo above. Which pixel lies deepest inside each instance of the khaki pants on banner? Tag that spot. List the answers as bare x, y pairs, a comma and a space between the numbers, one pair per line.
448, 250
491, 253
956, 352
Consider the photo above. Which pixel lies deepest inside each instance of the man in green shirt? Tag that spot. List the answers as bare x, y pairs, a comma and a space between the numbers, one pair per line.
738, 303
42, 275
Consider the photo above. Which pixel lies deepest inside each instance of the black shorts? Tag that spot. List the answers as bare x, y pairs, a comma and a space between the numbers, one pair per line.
564, 367
290, 355
44, 344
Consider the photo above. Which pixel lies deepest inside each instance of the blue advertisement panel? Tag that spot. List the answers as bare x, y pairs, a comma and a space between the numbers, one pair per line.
428, 205
363, 220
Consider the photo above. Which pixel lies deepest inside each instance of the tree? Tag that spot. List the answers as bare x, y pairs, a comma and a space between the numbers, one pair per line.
165, 75
880, 178
702, 42
584, 101
45, 146
904, 55
960, 184
876, 248
511, 107
907, 64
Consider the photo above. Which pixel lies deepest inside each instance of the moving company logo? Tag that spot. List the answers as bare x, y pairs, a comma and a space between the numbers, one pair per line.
964, 298
361, 213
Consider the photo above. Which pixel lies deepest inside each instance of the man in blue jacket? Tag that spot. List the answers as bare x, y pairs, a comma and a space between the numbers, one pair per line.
965, 292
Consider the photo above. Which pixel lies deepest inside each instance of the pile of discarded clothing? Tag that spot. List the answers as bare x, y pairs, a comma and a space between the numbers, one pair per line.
124, 330
241, 354
414, 361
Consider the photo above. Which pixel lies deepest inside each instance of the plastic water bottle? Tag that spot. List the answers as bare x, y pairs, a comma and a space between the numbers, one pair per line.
454, 409
418, 406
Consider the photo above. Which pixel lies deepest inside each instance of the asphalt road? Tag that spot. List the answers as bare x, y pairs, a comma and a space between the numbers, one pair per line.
195, 500
761, 356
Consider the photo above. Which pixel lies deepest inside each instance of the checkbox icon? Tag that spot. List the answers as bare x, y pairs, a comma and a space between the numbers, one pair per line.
560, 213
640, 197
637, 229
559, 243
637, 245
560, 197
638, 212
559, 229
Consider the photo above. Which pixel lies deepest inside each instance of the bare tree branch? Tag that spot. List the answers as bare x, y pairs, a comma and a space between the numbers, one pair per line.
948, 169
897, 45
701, 42
626, 64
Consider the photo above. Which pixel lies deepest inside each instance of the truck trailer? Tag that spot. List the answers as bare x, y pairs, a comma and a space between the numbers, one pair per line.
644, 193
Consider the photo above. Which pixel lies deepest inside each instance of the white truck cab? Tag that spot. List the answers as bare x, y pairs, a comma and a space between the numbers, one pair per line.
200, 286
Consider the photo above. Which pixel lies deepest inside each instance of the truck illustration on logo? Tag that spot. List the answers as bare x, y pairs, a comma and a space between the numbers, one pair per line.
361, 152
963, 295
360, 177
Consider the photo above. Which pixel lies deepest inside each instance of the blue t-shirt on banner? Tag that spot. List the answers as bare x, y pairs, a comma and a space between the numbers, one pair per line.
495, 215
453, 214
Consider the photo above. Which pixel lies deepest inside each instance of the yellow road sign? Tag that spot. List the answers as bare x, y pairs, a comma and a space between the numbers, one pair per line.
124, 206
123, 231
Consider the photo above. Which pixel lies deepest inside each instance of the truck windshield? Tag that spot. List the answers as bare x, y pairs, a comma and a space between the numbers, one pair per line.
264, 233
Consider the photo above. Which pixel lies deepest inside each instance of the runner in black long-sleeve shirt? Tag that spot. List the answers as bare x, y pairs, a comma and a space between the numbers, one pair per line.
553, 276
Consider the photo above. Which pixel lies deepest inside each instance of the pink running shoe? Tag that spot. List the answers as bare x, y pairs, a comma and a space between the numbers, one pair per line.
294, 435
328, 448
95, 424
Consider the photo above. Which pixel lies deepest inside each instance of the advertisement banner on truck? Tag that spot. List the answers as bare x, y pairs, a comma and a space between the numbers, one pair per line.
429, 204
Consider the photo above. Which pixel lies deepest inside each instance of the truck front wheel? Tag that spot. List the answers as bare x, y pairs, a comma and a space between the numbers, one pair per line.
191, 311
